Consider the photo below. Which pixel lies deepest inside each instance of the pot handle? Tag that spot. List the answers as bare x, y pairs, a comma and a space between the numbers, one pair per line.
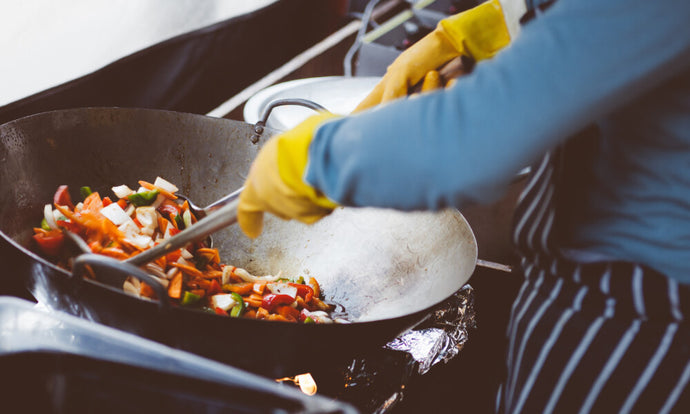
123, 270
261, 123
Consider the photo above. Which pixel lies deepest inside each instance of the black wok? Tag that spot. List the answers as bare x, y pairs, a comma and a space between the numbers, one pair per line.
386, 268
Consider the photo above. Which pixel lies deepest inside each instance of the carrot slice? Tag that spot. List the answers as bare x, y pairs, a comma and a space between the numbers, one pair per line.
212, 274
254, 303
173, 256
199, 283
147, 291
165, 192
175, 286
280, 318
240, 288
93, 203
122, 203
162, 224
162, 262
315, 285
114, 253
190, 270
259, 287
288, 312
209, 253
199, 292
318, 304
262, 313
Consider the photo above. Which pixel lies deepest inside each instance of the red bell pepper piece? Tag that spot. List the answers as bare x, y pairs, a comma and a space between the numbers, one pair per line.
173, 256
170, 209
270, 301
303, 315
62, 197
50, 242
220, 311
73, 227
214, 288
305, 291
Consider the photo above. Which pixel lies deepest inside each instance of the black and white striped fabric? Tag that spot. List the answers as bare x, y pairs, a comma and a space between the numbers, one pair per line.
590, 338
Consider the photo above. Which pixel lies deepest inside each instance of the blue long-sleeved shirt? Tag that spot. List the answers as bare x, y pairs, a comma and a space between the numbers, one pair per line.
621, 64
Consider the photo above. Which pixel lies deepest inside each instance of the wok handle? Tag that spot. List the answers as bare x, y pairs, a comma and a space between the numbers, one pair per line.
261, 123
122, 269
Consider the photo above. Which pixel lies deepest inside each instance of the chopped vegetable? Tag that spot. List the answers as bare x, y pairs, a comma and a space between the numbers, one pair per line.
122, 191
50, 242
187, 218
166, 185
193, 275
190, 298
175, 286
115, 214
236, 311
270, 301
85, 191
143, 198
179, 222
237, 298
223, 301
49, 217
92, 202
62, 197
239, 307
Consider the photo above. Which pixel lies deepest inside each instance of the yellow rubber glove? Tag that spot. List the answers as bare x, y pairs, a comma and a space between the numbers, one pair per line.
478, 33
275, 184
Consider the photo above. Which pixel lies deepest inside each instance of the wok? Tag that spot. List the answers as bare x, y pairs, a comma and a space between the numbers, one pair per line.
386, 269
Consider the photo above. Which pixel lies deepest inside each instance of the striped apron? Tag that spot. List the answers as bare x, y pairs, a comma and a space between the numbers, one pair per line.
606, 337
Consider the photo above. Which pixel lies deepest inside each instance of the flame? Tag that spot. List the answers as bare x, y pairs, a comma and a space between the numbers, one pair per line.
305, 382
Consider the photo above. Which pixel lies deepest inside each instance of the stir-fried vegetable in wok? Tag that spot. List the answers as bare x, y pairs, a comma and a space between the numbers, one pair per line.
133, 221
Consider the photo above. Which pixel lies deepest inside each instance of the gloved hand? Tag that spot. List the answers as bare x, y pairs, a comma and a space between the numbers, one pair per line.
275, 182
478, 33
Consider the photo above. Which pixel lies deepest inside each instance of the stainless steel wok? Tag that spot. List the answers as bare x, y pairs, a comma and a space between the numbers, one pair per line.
385, 268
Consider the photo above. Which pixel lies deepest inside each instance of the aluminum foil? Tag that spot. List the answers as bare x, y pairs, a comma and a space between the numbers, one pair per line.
376, 383
445, 337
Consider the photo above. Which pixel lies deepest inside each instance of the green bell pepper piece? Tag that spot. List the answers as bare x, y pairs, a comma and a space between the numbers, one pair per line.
180, 222
237, 310
190, 298
85, 191
144, 198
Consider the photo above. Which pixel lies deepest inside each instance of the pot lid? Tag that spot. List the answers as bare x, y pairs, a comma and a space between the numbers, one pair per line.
338, 94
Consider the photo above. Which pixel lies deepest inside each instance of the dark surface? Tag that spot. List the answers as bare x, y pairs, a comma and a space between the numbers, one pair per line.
50, 382
11, 282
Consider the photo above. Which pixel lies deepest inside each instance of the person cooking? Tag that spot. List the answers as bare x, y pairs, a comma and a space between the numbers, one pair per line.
595, 95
